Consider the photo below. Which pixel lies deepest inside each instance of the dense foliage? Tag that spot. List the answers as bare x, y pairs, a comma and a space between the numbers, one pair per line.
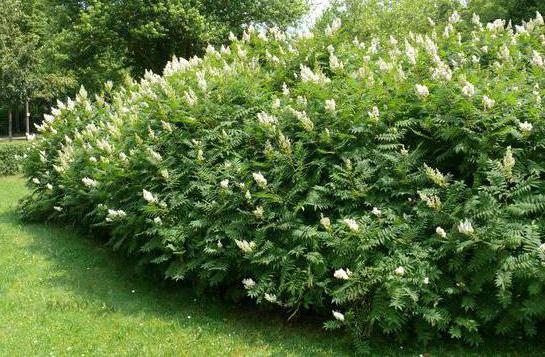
398, 183
10, 158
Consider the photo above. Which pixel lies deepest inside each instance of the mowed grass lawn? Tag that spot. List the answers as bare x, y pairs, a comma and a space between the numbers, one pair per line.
63, 294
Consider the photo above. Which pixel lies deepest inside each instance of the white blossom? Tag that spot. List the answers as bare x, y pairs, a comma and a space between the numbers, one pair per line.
333, 27
248, 283
400, 271
468, 89
488, 103
338, 316
201, 81
426, 281
526, 127
266, 119
330, 105
89, 182
465, 227
377, 212
326, 223
190, 98
307, 75
49, 186
245, 246
148, 196
270, 297
158, 221
352, 224
422, 90
115, 215
260, 179
374, 113
342, 274
57, 208
258, 212
542, 248
537, 59
411, 53
224, 183
334, 62
285, 90
441, 232
154, 155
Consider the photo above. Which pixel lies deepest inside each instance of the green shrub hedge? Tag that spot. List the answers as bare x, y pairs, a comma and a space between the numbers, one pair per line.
10, 157
397, 186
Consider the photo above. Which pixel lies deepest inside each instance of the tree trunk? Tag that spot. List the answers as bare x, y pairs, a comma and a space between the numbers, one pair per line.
10, 125
17, 121
27, 119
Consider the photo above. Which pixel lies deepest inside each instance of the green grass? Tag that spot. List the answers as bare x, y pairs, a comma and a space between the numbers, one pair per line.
63, 294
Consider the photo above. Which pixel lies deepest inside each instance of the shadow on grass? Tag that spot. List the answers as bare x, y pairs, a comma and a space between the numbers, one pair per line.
106, 282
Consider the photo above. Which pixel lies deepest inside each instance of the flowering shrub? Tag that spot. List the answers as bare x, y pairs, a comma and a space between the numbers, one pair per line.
396, 186
10, 154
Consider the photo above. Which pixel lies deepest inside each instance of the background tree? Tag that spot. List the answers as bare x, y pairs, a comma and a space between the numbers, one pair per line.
18, 60
107, 39
514, 10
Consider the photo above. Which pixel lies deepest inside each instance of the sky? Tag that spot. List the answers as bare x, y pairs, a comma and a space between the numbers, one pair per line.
317, 7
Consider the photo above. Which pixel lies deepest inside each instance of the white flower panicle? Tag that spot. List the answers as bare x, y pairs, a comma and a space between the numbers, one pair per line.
58, 209
488, 103
338, 316
190, 98
526, 127
307, 75
303, 118
352, 224
330, 105
465, 227
508, 163
259, 212
88, 182
270, 297
115, 215
441, 232
326, 223
342, 274
410, 52
537, 59
260, 179
201, 81
422, 90
374, 113
333, 27
377, 212
248, 283
436, 176
285, 143
266, 119
468, 90
399, 271
158, 221
245, 246
224, 183
334, 62
432, 201
148, 196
